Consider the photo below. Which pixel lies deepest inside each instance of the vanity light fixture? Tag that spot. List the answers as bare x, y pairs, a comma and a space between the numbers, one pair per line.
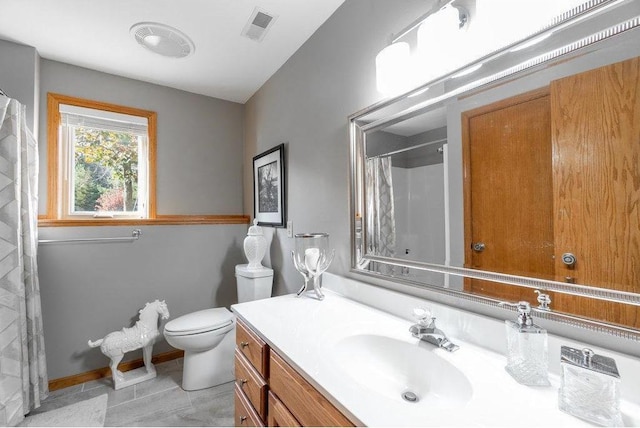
397, 70
162, 39
441, 42
392, 65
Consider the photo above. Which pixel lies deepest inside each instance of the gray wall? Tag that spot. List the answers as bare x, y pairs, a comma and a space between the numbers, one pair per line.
89, 290
199, 138
19, 69
306, 104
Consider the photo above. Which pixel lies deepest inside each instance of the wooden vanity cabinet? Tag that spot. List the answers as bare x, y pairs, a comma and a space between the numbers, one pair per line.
251, 384
251, 370
245, 414
253, 348
306, 404
279, 415
269, 391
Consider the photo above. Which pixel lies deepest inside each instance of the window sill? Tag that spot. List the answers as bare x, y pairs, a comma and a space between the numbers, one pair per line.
158, 221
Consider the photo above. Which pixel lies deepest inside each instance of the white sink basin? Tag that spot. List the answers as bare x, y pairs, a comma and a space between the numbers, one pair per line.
364, 359
392, 368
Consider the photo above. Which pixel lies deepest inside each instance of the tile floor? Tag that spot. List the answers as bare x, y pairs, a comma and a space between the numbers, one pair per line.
157, 402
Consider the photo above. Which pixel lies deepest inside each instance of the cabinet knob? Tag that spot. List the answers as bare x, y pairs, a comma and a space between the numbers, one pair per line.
242, 382
242, 419
244, 344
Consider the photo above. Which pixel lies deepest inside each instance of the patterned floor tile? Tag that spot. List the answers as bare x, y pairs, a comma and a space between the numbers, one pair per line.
155, 407
157, 402
115, 398
168, 376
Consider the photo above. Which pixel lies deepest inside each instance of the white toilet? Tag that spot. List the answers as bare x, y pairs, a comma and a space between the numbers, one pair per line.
253, 283
208, 336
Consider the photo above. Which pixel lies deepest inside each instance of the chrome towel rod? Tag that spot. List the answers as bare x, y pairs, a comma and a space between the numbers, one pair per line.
135, 235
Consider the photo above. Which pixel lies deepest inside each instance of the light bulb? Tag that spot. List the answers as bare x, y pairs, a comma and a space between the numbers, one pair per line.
393, 64
440, 44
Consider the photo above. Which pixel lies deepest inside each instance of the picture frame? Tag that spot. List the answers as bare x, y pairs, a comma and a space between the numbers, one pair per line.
269, 187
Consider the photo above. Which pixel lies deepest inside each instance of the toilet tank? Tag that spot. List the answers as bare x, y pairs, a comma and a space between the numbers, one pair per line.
253, 284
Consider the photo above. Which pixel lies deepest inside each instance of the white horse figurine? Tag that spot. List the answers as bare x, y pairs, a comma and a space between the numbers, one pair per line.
142, 335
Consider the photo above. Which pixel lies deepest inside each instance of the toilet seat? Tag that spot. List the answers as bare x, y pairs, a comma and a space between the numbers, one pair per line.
203, 321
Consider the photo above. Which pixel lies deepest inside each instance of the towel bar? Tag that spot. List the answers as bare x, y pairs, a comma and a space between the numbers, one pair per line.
135, 235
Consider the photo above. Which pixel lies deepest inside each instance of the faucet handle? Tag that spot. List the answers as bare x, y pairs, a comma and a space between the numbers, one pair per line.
544, 300
422, 316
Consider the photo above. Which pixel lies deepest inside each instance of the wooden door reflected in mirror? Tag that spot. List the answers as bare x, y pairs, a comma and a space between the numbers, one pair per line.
555, 172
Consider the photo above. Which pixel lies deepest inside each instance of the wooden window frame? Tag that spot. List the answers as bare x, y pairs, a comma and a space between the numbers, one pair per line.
53, 159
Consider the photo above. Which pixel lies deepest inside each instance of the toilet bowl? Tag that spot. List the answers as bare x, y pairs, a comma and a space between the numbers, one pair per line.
208, 336
208, 340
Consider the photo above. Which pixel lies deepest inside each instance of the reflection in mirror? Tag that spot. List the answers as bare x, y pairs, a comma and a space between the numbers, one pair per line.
405, 194
533, 172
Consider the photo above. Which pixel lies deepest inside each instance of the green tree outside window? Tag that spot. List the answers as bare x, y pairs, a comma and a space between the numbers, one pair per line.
106, 167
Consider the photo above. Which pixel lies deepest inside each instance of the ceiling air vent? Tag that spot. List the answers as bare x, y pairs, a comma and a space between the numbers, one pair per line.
259, 22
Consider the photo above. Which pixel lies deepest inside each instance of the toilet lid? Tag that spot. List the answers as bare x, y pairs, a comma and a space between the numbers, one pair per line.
200, 321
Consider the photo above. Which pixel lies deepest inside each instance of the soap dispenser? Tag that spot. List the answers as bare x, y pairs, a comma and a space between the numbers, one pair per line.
589, 386
527, 360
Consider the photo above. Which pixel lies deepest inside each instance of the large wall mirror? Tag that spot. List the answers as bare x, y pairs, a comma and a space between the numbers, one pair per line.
522, 175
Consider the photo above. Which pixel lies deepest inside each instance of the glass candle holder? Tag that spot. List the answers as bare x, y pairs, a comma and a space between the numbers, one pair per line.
311, 258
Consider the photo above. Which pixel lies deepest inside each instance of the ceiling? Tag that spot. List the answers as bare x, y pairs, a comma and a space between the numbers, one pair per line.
95, 34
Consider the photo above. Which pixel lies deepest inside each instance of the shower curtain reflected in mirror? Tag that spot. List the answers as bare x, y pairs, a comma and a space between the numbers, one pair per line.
23, 374
381, 223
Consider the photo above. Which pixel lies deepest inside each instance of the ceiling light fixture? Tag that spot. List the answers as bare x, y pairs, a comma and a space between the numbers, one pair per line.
162, 39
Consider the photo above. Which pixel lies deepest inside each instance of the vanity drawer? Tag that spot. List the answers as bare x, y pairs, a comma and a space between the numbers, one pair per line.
252, 347
306, 404
279, 415
252, 384
245, 416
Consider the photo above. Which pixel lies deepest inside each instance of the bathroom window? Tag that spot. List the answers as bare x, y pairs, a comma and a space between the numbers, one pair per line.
101, 160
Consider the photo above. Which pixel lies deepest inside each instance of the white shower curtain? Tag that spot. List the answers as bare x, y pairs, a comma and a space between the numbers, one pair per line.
381, 222
23, 372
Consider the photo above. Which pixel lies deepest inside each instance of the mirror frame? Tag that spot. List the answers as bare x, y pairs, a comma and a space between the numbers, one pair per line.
402, 107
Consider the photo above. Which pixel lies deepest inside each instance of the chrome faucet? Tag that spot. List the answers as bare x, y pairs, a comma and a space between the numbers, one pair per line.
425, 329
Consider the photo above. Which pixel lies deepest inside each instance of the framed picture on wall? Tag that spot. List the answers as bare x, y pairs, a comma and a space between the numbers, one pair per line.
269, 190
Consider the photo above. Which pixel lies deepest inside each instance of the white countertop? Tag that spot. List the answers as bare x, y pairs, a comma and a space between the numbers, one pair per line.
305, 332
